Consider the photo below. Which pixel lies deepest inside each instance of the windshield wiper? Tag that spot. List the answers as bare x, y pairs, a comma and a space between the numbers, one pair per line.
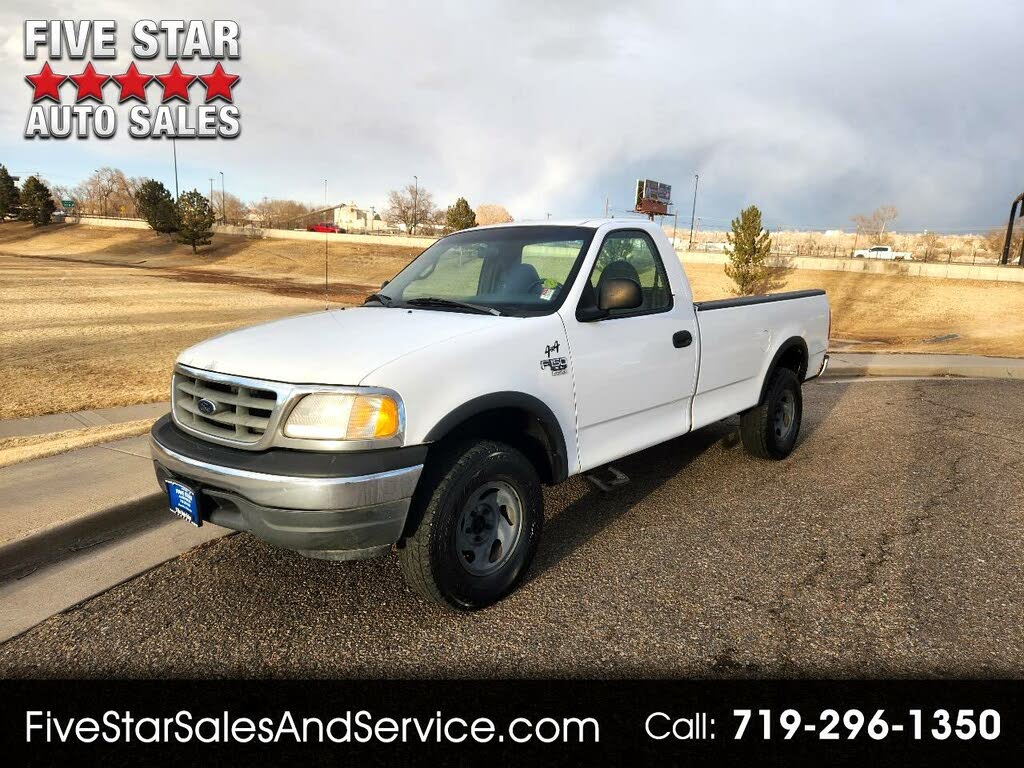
437, 301
382, 298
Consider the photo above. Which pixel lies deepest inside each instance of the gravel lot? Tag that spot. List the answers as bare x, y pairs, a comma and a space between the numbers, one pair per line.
889, 544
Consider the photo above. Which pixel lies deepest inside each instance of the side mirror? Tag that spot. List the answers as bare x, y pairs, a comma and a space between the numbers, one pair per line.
619, 293
615, 293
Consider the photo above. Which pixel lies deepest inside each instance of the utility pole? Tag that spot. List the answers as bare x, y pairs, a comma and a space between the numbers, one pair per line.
223, 204
415, 204
693, 210
373, 215
174, 148
606, 206
675, 221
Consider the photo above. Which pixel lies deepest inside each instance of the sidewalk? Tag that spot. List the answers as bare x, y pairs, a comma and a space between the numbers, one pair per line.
58, 422
902, 364
64, 503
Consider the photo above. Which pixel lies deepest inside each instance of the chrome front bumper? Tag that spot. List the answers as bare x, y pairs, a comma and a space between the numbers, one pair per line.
290, 492
317, 514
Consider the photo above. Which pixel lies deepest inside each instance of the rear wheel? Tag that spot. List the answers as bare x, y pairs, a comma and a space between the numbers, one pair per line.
480, 518
770, 429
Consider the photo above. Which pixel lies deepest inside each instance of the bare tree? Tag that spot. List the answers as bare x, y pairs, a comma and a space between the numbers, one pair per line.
490, 213
873, 225
277, 214
107, 192
412, 207
932, 243
234, 208
996, 238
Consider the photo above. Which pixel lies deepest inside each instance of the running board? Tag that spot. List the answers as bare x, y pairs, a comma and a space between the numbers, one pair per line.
613, 478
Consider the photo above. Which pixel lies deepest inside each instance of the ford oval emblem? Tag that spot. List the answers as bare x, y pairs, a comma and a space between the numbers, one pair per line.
207, 407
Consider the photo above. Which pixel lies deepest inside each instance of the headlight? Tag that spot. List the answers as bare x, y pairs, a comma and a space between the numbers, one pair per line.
328, 416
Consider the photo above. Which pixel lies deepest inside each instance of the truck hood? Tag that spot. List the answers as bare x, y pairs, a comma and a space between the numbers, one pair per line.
336, 347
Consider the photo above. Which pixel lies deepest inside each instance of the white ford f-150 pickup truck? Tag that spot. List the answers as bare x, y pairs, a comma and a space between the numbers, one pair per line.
500, 360
883, 252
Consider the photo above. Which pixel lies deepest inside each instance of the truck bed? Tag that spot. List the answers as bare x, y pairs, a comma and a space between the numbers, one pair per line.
736, 336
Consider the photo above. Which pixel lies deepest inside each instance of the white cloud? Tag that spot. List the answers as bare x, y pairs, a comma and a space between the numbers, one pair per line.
812, 110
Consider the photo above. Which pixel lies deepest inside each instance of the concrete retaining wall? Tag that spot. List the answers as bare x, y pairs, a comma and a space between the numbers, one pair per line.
108, 221
292, 234
912, 268
274, 234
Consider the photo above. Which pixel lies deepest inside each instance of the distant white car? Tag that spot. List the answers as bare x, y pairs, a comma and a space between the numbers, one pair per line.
883, 252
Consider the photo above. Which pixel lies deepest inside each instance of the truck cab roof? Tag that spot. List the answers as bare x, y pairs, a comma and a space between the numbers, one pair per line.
590, 223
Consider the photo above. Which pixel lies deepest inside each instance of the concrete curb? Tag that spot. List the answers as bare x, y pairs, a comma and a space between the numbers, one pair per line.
59, 422
900, 364
49, 545
965, 372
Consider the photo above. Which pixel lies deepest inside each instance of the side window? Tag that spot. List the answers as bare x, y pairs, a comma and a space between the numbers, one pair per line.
632, 254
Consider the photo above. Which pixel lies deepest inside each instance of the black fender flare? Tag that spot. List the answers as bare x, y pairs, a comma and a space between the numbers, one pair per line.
520, 401
786, 346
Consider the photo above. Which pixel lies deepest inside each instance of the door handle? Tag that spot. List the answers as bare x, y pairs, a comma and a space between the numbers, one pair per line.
682, 339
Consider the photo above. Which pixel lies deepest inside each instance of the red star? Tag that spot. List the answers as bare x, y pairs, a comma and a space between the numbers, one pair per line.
89, 84
175, 83
132, 83
218, 83
46, 84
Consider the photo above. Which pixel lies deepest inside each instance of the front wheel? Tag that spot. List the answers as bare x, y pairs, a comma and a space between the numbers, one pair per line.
770, 429
480, 518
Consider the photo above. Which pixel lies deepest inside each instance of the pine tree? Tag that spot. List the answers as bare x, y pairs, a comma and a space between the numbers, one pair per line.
195, 219
459, 216
156, 206
749, 252
37, 203
8, 194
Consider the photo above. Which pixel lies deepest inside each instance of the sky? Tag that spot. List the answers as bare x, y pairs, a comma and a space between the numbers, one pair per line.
814, 111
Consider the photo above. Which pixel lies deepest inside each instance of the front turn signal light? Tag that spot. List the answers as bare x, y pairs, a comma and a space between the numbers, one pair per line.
330, 416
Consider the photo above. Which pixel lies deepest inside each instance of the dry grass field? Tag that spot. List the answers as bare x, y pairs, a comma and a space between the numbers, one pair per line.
897, 313
94, 317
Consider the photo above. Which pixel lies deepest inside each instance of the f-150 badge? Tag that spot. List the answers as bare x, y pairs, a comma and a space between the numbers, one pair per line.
557, 365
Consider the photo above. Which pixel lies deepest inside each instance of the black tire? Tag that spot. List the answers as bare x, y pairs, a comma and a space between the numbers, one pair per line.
770, 429
431, 558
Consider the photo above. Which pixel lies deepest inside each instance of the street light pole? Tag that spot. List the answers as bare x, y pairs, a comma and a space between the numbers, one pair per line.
415, 204
174, 148
223, 204
693, 210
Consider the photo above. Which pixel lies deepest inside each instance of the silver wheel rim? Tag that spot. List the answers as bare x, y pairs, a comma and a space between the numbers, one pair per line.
785, 415
489, 527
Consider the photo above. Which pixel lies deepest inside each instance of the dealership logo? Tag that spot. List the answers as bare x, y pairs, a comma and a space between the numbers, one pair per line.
76, 96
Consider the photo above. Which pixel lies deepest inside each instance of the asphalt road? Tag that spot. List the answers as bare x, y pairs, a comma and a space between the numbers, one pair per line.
889, 544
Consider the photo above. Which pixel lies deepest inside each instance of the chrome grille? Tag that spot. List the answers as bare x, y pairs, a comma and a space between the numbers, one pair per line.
243, 412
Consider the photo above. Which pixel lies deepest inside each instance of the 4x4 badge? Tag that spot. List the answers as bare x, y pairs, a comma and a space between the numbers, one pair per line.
557, 365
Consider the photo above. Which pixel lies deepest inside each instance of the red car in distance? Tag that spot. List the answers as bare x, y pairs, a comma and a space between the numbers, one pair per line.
325, 227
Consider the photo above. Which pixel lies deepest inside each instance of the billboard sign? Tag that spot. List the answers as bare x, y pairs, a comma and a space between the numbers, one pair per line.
653, 196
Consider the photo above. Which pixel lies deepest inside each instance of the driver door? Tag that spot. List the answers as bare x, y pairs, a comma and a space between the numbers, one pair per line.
634, 372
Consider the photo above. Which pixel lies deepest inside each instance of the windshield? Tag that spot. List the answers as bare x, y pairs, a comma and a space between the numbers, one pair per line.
515, 270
